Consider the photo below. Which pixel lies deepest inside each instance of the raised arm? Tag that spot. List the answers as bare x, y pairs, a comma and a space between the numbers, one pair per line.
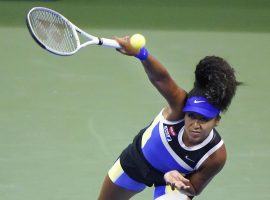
161, 79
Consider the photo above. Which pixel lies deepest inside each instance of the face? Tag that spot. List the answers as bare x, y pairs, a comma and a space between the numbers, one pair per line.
197, 128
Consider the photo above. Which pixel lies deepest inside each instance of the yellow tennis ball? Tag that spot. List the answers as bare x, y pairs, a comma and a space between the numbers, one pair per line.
137, 41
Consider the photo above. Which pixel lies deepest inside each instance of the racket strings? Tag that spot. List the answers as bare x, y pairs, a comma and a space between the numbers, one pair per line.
53, 31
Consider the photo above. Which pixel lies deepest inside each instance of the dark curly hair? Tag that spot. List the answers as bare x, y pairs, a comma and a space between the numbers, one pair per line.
215, 80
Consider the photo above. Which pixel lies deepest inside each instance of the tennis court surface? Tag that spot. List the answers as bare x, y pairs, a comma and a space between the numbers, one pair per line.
64, 120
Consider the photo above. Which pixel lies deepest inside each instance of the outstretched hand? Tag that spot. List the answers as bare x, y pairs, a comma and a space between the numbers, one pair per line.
176, 180
126, 49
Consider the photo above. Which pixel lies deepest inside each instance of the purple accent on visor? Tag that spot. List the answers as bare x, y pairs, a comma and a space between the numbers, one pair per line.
143, 54
201, 106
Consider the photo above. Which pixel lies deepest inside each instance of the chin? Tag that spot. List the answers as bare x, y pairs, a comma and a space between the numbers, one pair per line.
195, 139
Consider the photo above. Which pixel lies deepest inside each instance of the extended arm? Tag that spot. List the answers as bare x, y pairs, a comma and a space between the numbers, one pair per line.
161, 79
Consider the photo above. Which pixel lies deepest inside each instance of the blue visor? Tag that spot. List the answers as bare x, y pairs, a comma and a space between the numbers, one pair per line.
201, 106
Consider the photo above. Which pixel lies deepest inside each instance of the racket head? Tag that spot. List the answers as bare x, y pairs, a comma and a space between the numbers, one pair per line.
52, 31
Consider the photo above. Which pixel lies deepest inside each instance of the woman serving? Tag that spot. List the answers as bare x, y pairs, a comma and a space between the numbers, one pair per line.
180, 151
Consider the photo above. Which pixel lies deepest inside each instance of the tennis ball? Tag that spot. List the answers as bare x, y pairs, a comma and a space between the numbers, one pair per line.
137, 41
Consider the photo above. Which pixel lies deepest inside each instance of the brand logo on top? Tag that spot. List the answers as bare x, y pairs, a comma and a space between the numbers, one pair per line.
187, 157
171, 131
167, 135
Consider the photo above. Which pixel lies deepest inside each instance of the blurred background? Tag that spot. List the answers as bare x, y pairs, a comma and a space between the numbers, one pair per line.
64, 120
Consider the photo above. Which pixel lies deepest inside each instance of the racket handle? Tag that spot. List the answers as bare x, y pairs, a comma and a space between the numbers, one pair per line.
110, 43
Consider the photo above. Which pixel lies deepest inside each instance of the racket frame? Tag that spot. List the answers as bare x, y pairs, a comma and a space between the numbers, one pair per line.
92, 40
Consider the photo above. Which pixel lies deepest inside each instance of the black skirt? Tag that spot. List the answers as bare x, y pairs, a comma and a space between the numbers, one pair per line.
137, 167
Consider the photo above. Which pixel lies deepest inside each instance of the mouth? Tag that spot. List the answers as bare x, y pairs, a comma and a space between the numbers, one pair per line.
195, 134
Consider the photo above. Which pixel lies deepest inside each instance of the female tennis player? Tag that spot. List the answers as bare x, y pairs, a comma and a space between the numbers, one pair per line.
180, 151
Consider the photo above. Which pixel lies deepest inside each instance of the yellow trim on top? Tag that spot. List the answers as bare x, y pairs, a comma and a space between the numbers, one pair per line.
116, 171
147, 134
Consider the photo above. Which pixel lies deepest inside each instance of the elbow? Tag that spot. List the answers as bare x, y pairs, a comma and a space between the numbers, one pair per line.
197, 193
194, 192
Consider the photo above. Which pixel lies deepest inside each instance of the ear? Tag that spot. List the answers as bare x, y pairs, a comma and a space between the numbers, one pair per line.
217, 121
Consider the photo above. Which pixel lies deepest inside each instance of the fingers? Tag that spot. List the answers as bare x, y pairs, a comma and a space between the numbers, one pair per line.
182, 179
178, 185
176, 180
171, 184
126, 47
181, 186
121, 51
124, 41
175, 175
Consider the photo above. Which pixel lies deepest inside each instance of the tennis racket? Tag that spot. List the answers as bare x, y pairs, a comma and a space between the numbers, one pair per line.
55, 33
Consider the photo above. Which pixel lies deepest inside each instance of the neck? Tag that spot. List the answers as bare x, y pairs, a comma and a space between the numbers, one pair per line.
190, 143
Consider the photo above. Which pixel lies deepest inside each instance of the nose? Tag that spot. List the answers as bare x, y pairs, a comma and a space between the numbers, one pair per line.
196, 124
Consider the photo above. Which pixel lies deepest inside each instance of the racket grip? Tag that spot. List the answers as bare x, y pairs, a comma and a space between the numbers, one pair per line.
110, 43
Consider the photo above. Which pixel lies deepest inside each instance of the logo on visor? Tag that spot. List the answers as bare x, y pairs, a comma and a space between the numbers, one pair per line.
196, 101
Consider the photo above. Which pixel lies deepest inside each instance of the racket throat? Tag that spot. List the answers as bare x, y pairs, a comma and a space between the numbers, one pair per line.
100, 41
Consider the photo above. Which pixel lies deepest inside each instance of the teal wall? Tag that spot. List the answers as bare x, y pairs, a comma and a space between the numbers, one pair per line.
213, 15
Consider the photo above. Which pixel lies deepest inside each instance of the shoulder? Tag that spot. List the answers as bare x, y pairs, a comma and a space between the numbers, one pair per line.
172, 114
